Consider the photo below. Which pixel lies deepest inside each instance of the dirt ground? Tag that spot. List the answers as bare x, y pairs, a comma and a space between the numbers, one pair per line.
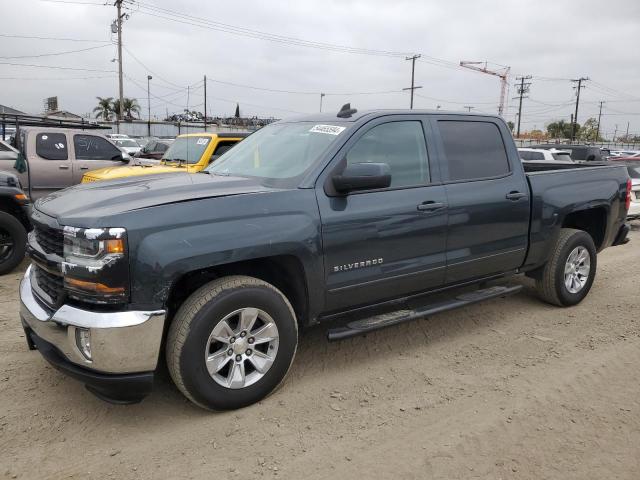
511, 388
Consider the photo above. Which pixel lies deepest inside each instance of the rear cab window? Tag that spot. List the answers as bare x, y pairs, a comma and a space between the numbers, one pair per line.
473, 150
52, 146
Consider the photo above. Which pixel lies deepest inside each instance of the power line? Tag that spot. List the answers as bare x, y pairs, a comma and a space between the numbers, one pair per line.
32, 37
55, 53
56, 67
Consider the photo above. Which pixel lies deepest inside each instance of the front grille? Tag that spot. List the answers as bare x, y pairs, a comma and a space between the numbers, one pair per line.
51, 240
50, 284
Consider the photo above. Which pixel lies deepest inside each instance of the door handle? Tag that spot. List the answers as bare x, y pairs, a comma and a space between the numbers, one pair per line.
63, 167
515, 196
84, 168
431, 206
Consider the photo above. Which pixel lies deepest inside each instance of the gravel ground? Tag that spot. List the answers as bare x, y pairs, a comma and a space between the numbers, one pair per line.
511, 388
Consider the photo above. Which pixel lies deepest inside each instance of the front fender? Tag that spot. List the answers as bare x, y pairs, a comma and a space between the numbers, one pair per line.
183, 237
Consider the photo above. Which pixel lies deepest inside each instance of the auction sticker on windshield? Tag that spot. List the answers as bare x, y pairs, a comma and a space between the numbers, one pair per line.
328, 129
202, 141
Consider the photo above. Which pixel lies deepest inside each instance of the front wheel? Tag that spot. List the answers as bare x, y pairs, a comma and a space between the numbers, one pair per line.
13, 242
568, 275
231, 343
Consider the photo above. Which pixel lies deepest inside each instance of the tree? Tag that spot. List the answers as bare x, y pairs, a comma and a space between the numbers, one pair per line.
560, 129
588, 130
511, 126
104, 108
129, 107
237, 114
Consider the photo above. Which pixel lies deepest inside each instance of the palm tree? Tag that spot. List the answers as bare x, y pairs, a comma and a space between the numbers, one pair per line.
129, 107
104, 108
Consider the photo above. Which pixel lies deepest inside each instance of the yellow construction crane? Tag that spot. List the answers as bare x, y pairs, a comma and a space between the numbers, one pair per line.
502, 73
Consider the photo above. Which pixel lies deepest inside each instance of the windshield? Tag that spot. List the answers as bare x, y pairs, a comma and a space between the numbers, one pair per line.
634, 172
187, 149
277, 151
126, 143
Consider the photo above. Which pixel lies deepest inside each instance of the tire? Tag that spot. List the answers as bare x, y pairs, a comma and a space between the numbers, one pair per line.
194, 333
11, 231
551, 284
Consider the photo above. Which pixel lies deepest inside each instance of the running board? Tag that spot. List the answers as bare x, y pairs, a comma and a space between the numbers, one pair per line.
360, 327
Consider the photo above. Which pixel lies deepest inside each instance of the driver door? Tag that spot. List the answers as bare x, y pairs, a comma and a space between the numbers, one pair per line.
93, 152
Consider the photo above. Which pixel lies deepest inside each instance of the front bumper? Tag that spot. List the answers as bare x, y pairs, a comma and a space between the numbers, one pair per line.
122, 343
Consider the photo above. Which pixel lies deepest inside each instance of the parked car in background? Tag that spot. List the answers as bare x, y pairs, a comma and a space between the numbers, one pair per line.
625, 153
7, 152
154, 150
114, 136
57, 158
190, 153
359, 216
142, 141
127, 145
579, 153
539, 154
633, 167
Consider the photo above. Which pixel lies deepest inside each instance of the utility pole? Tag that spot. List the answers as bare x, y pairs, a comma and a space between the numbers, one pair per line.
523, 88
121, 94
469, 108
599, 117
575, 116
626, 135
615, 132
205, 103
413, 72
149, 77
321, 97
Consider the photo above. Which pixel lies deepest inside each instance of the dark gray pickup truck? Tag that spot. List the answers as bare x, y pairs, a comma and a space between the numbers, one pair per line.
366, 219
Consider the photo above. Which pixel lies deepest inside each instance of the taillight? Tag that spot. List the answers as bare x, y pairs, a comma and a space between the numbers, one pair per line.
627, 202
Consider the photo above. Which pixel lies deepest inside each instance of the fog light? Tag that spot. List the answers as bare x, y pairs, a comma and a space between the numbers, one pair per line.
83, 341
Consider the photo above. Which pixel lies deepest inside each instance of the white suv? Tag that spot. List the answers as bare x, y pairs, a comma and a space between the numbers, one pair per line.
551, 155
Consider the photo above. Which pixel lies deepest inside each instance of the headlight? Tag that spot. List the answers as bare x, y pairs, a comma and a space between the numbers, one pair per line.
95, 265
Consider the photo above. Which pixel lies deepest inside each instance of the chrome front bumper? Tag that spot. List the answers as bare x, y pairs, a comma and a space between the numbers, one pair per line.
121, 342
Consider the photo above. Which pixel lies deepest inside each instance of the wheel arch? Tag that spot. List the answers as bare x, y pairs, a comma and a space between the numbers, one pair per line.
285, 272
592, 220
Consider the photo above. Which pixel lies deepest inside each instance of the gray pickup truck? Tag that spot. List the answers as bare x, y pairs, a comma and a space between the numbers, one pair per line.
361, 220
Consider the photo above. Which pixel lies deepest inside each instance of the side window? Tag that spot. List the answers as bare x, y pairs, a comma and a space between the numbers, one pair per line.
161, 147
4, 148
150, 146
473, 149
524, 154
400, 145
221, 148
52, 146
90, 147
537, 156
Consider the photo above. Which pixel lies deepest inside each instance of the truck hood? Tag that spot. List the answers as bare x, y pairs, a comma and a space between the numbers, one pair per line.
110, 173
103, 199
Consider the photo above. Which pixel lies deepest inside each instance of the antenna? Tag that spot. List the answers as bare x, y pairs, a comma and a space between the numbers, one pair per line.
346, 111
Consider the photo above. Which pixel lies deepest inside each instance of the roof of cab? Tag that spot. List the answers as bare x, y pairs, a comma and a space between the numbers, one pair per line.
216, 134
359, 115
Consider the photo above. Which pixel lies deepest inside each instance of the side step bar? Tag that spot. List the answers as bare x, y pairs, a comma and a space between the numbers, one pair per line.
360, 327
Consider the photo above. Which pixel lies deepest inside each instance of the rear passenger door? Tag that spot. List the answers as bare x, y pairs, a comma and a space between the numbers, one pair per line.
49, 163
93, 152
488, 198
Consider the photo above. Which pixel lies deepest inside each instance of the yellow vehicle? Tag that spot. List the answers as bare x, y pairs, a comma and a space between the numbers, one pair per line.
190, 153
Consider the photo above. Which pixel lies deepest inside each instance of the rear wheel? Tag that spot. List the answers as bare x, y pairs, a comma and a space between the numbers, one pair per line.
231, 343
568, 275
13, 241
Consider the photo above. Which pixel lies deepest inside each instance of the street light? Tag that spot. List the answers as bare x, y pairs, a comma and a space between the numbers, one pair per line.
321, 97
149, 77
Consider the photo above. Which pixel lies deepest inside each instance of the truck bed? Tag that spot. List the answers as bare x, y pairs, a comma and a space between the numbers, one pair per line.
558, 191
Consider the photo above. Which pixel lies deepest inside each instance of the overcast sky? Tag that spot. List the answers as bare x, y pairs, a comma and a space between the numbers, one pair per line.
552, 40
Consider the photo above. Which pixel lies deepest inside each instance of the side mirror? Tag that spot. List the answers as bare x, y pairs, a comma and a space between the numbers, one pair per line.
124, 157
362, 176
